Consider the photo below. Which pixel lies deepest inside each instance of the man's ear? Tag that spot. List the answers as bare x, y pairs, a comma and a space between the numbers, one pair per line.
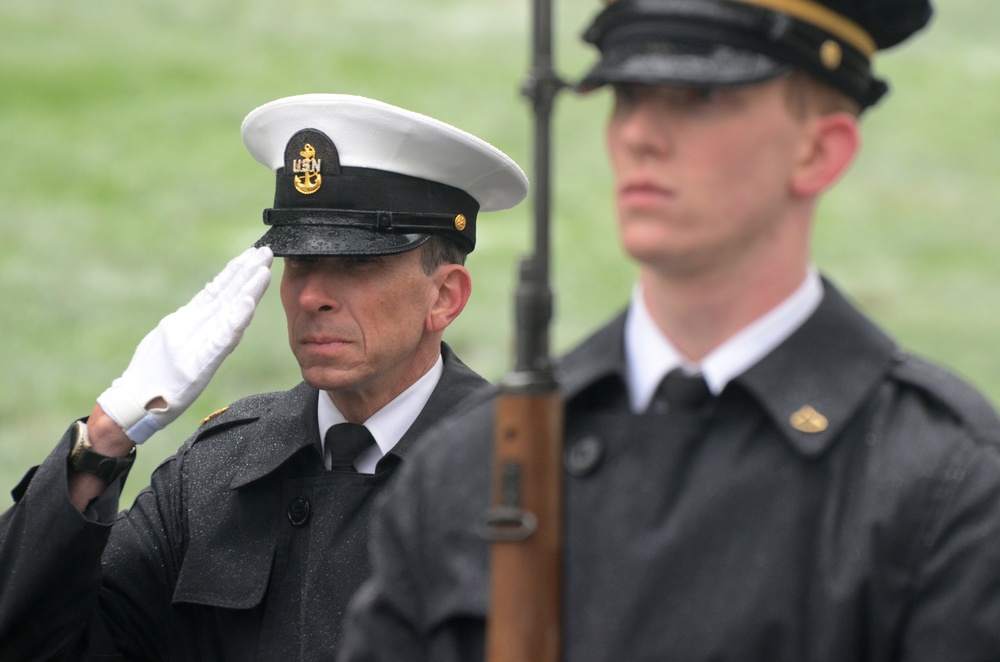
828, 148
454, 286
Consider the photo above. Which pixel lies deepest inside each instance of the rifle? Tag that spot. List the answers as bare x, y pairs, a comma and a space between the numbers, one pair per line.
524, 523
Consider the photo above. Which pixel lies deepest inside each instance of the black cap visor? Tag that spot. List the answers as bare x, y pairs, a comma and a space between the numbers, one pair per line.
683, 64
306, 240
343, 232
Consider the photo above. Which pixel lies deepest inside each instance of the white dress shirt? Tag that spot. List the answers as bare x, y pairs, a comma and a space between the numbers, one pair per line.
649, 355
389, 423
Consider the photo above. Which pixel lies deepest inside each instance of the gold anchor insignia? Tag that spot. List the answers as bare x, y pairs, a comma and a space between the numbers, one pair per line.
309, 180
212, 415
809, 420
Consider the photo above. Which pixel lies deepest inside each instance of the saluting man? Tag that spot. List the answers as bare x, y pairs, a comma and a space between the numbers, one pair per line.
249, 541
754, 470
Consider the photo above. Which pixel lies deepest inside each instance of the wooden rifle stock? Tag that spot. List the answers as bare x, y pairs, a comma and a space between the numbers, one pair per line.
525, 562
524, 523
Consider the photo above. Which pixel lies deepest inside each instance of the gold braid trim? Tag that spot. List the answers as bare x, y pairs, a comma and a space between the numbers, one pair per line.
820, 16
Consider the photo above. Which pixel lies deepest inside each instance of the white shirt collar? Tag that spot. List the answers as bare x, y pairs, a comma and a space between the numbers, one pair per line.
649, 355
388, 424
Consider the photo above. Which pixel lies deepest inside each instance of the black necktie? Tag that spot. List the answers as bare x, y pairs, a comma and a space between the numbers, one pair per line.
344, 442
680, 391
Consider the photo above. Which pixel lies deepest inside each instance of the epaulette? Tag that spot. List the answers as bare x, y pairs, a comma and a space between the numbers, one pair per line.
958, 396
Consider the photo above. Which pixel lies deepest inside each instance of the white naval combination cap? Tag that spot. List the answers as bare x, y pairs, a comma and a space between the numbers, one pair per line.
355, 176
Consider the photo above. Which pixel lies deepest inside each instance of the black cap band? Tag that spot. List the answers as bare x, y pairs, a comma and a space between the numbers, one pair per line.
367, 188
376, 200
379, 221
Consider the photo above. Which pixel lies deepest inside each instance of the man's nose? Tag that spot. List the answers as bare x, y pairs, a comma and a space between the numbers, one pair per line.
319, 293
645, 130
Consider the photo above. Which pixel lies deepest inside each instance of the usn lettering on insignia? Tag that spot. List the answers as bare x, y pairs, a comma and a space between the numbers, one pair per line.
307, 175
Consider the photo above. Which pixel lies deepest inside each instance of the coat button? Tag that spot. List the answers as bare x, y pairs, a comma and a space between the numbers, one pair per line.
298, 511
583, 456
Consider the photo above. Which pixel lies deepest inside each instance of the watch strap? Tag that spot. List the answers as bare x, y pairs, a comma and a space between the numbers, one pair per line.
84, 458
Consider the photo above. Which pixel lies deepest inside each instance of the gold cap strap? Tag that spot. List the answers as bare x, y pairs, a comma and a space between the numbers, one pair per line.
820, 16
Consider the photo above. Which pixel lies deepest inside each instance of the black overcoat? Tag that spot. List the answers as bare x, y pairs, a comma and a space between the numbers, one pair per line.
242, 547
840, 501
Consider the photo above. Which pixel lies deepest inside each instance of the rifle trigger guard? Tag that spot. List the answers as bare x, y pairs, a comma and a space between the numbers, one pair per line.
506, 524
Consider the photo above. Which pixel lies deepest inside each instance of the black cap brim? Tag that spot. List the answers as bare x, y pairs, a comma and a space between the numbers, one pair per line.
681, 64
336, 241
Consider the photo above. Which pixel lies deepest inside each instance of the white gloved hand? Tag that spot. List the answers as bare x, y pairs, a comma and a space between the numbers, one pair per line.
178, 358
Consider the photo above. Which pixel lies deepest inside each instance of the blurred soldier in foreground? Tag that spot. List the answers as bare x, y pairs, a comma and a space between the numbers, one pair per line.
754, 471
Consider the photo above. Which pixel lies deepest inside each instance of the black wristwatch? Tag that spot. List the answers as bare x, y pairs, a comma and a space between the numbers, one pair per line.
84, 458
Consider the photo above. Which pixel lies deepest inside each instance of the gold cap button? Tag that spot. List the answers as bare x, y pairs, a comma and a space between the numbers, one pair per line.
830, 54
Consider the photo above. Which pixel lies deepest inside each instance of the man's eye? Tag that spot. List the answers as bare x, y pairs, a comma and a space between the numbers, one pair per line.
360, 260
626, 94
706, 94
694, 96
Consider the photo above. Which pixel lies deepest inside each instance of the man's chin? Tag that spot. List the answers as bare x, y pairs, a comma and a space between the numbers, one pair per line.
674, 265
326, 378
654, 254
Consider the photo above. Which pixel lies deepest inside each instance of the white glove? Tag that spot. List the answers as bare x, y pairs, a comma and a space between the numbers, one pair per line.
178, 358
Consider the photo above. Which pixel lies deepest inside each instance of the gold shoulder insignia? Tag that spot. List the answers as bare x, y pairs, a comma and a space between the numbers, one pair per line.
212, 415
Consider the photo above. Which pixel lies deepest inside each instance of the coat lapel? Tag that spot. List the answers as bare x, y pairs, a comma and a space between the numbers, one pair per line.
817, 380
458, 388
232, 514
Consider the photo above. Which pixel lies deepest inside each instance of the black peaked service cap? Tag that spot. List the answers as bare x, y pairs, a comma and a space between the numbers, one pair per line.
718, 43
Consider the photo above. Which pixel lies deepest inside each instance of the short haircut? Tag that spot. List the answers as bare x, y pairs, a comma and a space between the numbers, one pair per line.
440, 250
807, 95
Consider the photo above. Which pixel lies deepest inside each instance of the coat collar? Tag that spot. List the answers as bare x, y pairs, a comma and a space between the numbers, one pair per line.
458, 387
286, 422
816, 381
599, 357
810, 386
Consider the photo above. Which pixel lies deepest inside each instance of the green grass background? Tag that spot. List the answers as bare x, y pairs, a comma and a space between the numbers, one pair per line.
124, 185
